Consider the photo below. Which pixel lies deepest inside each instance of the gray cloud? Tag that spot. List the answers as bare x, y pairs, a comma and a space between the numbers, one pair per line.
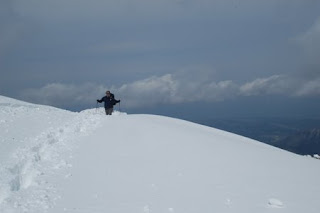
310, 42
275, 84
76, 10
152, 52
63, 95
311, 87
11, 26
168, 89
309, 75
282, 85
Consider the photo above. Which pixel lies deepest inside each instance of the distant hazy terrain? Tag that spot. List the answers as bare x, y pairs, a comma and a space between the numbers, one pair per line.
298, 135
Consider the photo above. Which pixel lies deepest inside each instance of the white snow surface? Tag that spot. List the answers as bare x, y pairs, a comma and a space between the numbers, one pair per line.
53, 160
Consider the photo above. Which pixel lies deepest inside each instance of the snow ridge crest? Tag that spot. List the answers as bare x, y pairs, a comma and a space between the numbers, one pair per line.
36, 157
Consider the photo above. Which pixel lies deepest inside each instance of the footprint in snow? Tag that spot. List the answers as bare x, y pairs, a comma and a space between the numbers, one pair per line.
275, 203
171, 210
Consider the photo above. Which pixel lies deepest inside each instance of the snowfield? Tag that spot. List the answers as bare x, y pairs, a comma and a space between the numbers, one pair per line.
53, 160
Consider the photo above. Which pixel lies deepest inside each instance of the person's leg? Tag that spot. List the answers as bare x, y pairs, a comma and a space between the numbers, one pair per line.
109, 111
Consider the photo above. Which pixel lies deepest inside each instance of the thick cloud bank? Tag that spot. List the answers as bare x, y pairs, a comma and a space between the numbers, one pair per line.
170, 89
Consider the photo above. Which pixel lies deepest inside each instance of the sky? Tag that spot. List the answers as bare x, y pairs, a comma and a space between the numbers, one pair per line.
174, 57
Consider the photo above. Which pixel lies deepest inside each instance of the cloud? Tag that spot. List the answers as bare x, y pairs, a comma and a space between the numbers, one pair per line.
134, 43
275, 84
310, 42
150, 91
168, 89
309, 78
11, 26
311, 87
292, 86
127, 47
73, 10
64, 95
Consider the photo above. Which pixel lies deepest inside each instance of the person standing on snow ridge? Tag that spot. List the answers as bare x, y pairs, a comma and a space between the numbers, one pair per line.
109, 102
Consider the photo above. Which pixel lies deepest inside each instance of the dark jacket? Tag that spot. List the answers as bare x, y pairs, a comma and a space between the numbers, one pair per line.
109, 102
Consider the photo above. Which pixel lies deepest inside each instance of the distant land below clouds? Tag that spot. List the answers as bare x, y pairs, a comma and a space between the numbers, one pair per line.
297, 135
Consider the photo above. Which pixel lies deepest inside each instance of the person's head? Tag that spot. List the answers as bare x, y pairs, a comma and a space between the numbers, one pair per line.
108, 93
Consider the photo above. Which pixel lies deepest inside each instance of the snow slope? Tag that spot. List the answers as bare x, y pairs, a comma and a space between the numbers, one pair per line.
54, 160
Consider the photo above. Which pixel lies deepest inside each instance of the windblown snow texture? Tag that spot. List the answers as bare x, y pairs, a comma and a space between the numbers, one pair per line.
52, 160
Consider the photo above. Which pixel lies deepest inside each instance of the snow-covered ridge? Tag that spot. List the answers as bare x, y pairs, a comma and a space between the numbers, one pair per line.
53, 160
36, 141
